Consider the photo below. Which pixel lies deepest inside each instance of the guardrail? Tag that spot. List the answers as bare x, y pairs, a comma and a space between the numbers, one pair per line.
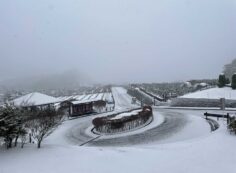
227, 116
151, 95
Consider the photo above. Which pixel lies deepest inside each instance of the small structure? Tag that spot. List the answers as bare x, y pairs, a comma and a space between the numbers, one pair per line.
78, 108
35, 100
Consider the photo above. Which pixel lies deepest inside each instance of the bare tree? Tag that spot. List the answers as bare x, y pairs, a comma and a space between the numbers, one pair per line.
23, 138
44, 123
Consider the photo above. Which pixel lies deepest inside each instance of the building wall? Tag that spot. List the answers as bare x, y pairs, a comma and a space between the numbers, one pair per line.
191, 102
81, 109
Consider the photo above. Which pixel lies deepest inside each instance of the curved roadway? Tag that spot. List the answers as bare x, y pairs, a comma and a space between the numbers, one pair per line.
173, 123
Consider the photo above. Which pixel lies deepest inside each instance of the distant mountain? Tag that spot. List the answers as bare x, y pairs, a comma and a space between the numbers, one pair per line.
68, 80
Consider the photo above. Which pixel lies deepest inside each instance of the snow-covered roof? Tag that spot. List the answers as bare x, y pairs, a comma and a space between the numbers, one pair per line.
34, 99
188, 84
85, 101
203, 84
78, 99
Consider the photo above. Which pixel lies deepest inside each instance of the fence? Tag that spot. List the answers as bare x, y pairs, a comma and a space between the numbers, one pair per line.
231, 121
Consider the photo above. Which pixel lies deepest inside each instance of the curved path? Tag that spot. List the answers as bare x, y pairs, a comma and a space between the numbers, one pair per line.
173, 123
177, 125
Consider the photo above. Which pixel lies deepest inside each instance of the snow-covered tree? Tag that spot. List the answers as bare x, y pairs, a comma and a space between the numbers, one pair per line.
10, 124
43, 123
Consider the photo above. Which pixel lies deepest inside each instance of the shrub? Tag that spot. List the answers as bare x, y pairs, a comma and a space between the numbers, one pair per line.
222, 81
233, 84
108, 125
232, 125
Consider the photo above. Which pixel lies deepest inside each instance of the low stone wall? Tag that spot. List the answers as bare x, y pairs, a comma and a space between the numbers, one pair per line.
190, 102
108, 125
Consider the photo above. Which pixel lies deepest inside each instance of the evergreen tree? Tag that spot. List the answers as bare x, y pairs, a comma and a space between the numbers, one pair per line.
222, 80
10, 124
233, 83
227, 81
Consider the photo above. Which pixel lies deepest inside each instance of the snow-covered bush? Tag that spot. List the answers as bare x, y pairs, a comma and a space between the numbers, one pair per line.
232, 125
110, 124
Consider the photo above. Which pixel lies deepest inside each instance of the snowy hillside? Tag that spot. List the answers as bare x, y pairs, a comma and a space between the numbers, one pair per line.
176, 141
213, 93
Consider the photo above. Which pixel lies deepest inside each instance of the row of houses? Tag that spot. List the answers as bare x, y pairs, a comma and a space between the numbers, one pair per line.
73, 105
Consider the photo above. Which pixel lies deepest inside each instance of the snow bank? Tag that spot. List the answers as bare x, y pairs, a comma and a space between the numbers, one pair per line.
213, 93
126, 114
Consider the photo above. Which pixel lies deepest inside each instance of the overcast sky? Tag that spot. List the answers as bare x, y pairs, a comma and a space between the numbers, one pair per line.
118, 40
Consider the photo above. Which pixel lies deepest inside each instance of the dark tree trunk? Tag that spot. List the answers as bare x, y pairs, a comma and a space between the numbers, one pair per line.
9, 143
39, 144
30, 139
16, 139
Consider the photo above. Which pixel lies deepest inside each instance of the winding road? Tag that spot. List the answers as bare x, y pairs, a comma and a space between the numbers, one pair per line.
174, 122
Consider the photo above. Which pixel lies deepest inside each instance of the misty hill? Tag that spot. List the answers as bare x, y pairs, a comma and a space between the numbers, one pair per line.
67, 80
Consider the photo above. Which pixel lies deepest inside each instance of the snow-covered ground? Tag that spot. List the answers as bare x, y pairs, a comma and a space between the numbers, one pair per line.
211, 153
213, 93
190, 147
126, 114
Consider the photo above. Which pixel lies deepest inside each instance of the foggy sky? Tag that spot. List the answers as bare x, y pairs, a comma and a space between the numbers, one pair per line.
117, 40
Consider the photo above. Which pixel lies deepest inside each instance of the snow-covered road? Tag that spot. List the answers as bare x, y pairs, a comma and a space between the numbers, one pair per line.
122, 99
177, 125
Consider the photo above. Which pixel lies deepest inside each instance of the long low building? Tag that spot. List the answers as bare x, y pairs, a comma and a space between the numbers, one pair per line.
73, 105
78, 108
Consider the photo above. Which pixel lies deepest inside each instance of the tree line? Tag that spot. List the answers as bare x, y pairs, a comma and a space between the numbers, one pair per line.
228, 77
20, 125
